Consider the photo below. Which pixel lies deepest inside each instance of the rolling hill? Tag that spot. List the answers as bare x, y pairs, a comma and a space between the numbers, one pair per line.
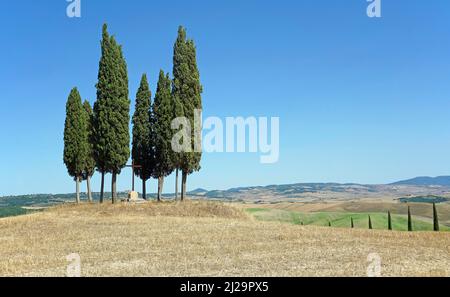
426, 181
204, 239
421, 189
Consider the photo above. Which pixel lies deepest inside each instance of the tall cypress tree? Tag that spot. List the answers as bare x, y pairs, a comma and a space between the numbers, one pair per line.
142, 151
352, 223
75, 139
111, 112
187, 92
162, 119
389, 221
101, 107
179, 74
435, 218
410, 226
90, 160
370, 223
178, 111
119, 147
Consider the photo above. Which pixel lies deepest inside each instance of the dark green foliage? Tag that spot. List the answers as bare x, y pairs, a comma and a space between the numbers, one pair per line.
389, 221
104, 89
186, 93
370, 223
75, 135
424, 199
90, 160
90, 156
352, 223
111, 111
142, 151
410, 227
435, 218
329, 224
75, 138
162, 119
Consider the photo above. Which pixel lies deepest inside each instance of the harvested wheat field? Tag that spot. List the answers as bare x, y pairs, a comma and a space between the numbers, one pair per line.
204, 239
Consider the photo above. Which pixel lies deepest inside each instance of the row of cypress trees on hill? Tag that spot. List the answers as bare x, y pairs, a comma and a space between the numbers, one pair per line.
410, 221
152, 131
99, 138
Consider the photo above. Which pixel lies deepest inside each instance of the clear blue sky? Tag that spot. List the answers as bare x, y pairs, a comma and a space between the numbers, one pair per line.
359, 99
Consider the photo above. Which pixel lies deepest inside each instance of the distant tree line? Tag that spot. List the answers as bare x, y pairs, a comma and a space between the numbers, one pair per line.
98, 138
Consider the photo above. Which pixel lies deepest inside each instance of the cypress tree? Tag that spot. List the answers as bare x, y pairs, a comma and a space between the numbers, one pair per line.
370, 223
435, 218
187, 92
389, 221
75, 139
121, 120
410, 227
142, 151
101, 107
176, 156
111, 112
352, 224
162, 119
329, 223
90, 160
179, 64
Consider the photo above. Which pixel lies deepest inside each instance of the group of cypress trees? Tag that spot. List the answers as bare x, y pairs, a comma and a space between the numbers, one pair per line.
99, 138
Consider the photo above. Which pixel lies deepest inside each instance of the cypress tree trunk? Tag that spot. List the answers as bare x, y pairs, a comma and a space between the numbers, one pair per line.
89, 192
183, 185
370, 223
435, 218
410, 228
102, 189
113, 188
160, 187
144, 190
77, 179
176, 185
389, 221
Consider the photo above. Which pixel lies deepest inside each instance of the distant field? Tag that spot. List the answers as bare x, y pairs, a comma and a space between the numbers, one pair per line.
12, 211
341, 219
420, 211
205, 239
